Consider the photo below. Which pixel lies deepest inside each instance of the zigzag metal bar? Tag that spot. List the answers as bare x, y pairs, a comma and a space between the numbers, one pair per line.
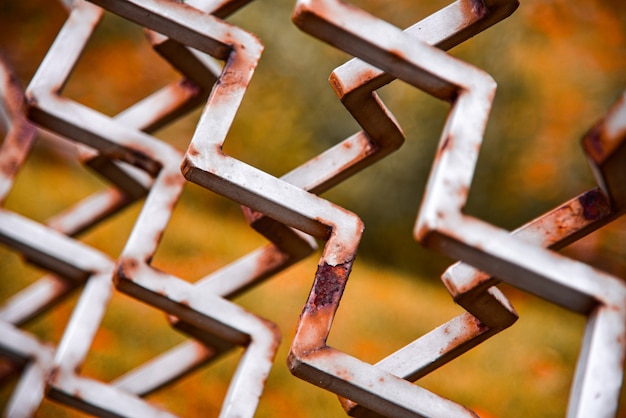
594, 392
151, 113
165, 104
46, 292
55, 252
202, 166
436, 74
555, 229
565, 282
320, 173
281, 208
451, 175
249, 271
227, 320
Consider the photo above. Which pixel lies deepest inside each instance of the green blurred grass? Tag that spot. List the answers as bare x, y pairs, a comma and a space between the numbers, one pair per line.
524, 372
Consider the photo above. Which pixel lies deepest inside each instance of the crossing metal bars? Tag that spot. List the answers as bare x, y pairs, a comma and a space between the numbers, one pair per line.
217, 61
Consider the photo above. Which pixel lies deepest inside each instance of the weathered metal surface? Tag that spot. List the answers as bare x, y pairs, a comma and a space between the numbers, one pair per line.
331, 276
605, 148
133, 274
568, 283
36, 357
470, 93
21, 347
45, 293
42, 248
317, 18
217, 61
488, 310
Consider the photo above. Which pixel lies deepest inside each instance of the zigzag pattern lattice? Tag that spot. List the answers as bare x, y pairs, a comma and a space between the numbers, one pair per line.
217, 61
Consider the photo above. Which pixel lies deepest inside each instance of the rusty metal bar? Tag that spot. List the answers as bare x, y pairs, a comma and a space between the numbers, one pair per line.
565, 282
193, 38
148, 114
470, 97
380, 135
153, 112
485, 318
36, 357
259, 337
53, 251
215, 171
439, 88
205, 311
314, 17
604, 146
20, 133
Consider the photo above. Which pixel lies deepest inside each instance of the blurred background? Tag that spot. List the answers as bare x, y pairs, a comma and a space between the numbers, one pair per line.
559, 67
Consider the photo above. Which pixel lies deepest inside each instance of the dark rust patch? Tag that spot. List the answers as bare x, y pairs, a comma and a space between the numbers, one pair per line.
330, 282
595, 205
446, 143
480, 324
593, 140
476, 8
190, 85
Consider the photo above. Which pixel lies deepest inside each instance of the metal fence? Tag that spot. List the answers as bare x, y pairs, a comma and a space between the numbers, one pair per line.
217, 61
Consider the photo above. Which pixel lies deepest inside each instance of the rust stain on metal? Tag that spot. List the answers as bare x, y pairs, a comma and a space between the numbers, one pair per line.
193, 151
472, 322
328, 286
595, 205
344, 374
174, 179
125, 270
445, 145
365, 76
336, 85
270, 259
463, 190
475, 8
312, 332
593, 141
397, 55
446, 142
